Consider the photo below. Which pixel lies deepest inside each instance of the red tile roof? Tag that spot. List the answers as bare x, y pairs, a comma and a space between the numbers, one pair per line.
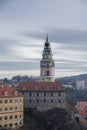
81, 108
9, 92
41, 86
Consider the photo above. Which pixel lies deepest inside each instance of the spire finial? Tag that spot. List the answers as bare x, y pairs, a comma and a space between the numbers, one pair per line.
46, 37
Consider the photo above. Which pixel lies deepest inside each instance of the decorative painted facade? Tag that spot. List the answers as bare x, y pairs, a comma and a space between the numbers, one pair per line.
47, 63
11, 108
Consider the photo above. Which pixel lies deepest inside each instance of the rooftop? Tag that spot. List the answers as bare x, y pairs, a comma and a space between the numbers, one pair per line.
81, 108
9, 92
41, 86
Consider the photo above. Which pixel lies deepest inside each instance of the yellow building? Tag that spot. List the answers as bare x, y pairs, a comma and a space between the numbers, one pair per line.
11, 108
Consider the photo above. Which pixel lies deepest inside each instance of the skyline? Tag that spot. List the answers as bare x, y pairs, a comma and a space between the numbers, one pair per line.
23, 28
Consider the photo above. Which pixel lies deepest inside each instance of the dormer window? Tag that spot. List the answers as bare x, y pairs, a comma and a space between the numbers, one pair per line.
6, 93
15, 93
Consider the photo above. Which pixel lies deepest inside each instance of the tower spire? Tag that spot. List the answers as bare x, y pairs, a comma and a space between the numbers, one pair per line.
46, 37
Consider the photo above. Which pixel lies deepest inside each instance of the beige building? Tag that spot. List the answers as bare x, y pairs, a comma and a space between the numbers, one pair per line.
11, 108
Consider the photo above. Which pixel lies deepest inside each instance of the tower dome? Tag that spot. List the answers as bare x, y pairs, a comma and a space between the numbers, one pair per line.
47, 44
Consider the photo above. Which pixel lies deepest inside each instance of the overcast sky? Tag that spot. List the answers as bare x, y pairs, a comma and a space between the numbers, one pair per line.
23, 26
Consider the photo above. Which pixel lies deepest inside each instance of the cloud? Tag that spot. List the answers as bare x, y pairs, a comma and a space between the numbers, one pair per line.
61, 35
23, 26
7, 48
18, 66
68, 43
19, 49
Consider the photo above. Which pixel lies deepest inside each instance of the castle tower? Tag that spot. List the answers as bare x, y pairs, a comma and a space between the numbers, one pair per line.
47, 63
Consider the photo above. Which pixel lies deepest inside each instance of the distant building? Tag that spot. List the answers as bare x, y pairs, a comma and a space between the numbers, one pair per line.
80, 84
45, 94
68, 85
81, 109
11, 108
85, 84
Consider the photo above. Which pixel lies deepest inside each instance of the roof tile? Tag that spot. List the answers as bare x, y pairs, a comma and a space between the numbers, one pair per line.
41, 86
9, 92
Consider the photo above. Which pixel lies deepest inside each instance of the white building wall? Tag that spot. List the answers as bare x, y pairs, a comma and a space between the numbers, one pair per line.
68, 85
44, 100
80, 84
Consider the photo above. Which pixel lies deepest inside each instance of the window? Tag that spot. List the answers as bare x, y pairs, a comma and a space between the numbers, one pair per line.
59, 94
6, 101
5, 118
16, 116
6, 93
37, 94
30, 101
51, 94
59, 101
0, 109
51, 100
10, 117
47, 73
10, 125
0, 118
6, 109
37, 100
20, 100
44, 100
20, 107
15, 93
11, 101
5, 125
16, 100
16, 108
44, 94
11, 108
29, 94
0, 101
16, 124
20, 123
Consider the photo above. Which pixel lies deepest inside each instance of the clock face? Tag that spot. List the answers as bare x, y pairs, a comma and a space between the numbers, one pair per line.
47, 64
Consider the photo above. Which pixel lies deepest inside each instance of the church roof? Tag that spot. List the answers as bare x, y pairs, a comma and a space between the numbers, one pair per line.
41, 86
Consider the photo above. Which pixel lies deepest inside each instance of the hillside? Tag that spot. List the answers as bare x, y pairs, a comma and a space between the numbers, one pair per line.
72, 78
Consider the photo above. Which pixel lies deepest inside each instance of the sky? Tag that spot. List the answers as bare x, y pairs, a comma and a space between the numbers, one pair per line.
23, 28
